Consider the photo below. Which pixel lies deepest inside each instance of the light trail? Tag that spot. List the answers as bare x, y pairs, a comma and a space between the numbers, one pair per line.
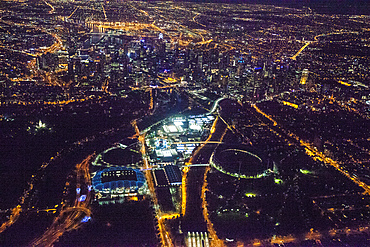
215, 105
73, 12
316, 39
228, 126
197, 21
156, 87
264, 114
47, 210
105, 14
151, 104
289, 104
283, 239
136, 27
300, 50
169, 216
51, 6
213, 236
183, 189
312, 234
165, 238
328, 34
12, 218
144, 12
140, 10
54, 47
165, 235
105, 85
204, 42
18, 51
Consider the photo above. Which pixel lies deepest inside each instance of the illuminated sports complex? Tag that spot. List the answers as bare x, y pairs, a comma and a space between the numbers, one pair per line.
119, 182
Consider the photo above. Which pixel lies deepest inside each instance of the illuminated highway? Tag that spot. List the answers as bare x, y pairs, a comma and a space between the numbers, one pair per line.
212, 233
300, 50
51, 6
71, 216
74, 11
186, 169
217, 133
105, 14
12, 218
316, 38
197, 21
164, 233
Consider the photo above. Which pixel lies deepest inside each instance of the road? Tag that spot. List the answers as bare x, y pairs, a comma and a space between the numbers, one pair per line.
312, 151
12, 218
72, 215
316, 38
164, 233
195, 180
57, 45
212, 232
192, 183
51, 6
17, 210
300, 50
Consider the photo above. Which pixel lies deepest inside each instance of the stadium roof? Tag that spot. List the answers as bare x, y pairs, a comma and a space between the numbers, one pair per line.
121, 173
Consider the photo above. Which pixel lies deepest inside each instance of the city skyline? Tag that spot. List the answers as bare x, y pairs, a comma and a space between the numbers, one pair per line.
184, 123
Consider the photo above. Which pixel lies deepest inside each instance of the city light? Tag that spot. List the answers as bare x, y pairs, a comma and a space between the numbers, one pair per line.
221, 123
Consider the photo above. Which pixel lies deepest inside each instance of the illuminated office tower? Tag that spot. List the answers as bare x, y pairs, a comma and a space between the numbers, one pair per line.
304, 76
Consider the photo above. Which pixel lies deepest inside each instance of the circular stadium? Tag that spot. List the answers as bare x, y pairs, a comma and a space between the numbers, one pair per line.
119, 156
119, 180
238, 162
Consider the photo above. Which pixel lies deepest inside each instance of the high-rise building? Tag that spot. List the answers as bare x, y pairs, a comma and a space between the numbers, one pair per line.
304, 77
